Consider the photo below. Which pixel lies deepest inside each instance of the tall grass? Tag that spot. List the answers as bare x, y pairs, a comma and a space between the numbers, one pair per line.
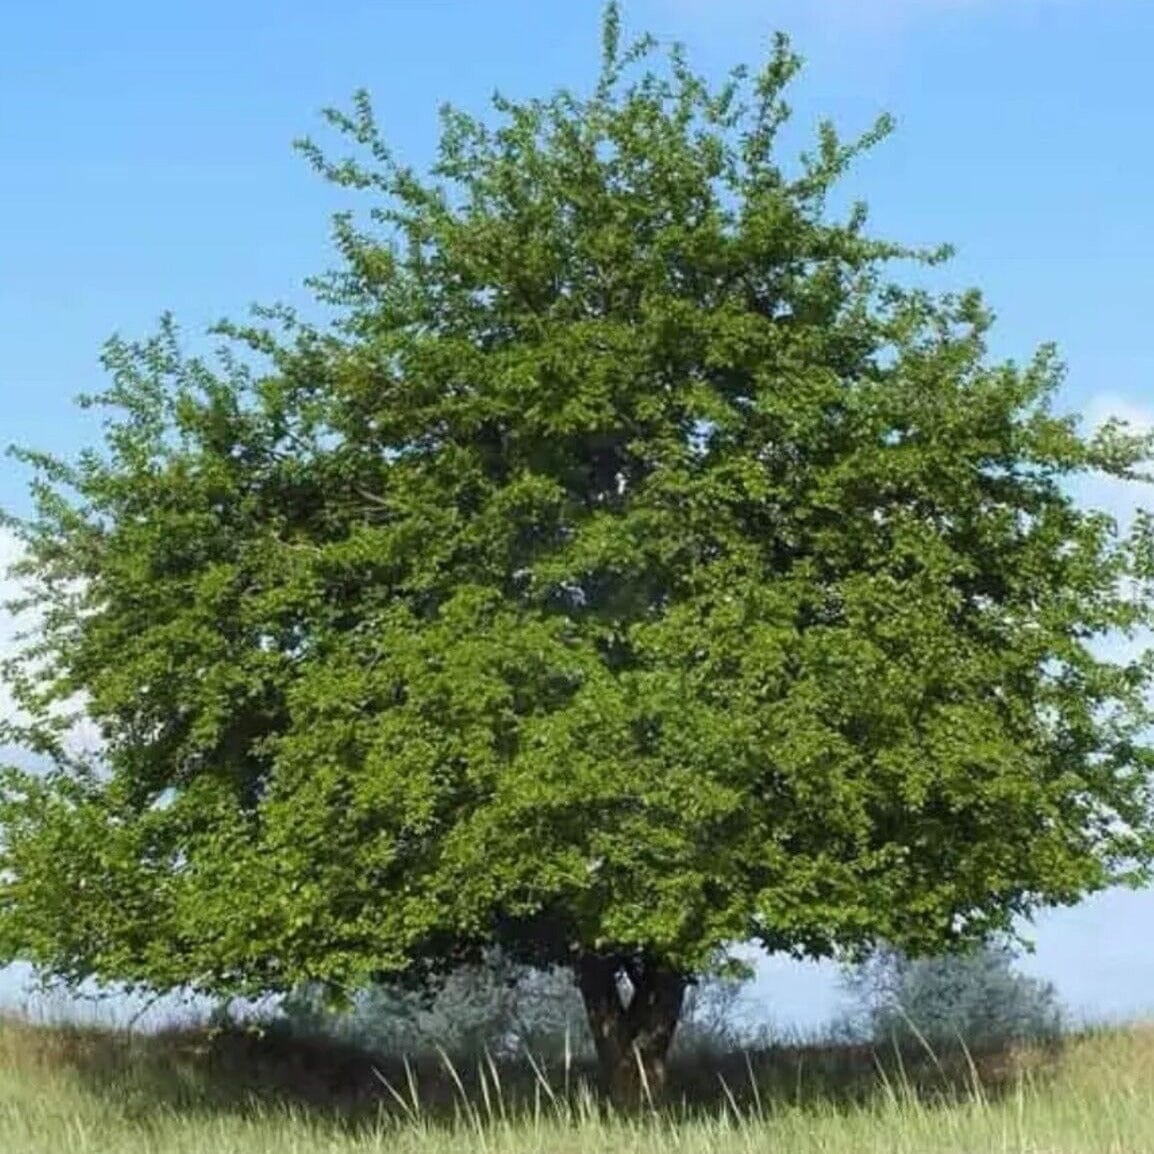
95, 1090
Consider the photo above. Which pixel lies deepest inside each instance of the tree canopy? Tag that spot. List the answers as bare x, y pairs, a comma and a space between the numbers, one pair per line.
633, 566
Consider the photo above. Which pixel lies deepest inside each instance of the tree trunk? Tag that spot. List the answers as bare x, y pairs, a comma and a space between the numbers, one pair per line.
632, 1032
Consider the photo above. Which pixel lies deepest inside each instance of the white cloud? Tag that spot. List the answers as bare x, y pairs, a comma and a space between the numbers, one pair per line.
9, 626
1103, 406
1121, 498
84, 736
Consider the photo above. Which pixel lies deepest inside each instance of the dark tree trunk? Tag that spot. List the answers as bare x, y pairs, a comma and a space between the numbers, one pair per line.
632, 1030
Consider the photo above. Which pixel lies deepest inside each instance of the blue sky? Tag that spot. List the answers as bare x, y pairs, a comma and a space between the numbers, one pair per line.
147, 166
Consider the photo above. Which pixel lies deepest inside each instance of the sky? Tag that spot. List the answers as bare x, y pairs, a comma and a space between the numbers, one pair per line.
146, 165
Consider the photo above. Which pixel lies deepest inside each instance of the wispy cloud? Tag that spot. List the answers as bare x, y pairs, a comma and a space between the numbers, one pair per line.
1120, 498
1103, 406
9, 627
84, 736
840, 16
866, 9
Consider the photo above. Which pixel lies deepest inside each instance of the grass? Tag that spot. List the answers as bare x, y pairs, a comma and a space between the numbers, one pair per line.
101, 1091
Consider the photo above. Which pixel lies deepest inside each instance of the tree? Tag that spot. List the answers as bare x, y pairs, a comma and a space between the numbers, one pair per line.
633, 566
976, 998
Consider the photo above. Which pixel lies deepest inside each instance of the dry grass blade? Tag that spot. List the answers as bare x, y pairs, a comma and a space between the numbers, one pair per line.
409, 1110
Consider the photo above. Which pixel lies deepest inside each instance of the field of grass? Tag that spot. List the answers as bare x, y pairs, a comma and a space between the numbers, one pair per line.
97, 1091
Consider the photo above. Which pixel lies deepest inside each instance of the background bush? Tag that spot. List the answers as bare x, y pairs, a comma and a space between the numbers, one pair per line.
507, 1010
977, 998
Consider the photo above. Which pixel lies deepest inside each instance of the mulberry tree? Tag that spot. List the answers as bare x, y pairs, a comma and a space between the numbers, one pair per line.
630, 564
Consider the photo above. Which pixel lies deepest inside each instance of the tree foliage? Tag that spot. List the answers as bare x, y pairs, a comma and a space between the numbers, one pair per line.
633, 567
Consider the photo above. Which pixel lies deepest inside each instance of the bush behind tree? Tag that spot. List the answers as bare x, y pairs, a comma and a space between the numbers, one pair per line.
508, 1010
975, 998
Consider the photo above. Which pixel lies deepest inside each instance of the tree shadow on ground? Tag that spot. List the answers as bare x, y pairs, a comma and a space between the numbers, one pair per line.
237, 1070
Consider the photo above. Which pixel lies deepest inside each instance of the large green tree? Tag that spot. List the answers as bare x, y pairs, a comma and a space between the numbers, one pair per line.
631, 568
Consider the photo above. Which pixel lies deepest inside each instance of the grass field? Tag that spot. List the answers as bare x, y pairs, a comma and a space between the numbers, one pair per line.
68, 1089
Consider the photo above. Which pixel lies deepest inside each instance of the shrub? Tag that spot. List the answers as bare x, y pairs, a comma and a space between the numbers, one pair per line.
976, 998
506, 1009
